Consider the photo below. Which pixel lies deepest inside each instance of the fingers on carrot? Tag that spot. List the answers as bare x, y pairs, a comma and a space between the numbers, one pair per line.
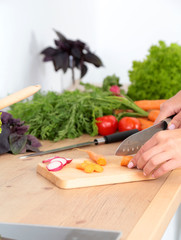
99, 159
153, 114
89, 167
149, 104
125, 160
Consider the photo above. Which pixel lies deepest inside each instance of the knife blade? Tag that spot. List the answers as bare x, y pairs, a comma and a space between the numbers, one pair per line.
133, 143
116, 137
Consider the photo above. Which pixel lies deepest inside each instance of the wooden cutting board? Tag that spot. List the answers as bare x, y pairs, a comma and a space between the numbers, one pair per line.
70, 177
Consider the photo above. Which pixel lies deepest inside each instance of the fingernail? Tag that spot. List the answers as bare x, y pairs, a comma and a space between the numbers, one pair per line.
153, 176
130, 164
171, 126
144, 173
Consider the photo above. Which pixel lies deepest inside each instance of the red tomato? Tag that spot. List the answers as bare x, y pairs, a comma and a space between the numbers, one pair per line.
128, 123
107, 125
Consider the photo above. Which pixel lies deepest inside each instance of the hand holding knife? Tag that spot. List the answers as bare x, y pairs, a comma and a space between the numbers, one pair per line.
132, 144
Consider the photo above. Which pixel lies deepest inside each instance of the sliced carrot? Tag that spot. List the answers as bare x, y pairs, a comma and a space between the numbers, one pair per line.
81, 166
153, 114
149, 104
98, 168
99, 159
145, 123
89, 168
125, 160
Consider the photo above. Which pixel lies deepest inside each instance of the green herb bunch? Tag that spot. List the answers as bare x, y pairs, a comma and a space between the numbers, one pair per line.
54, 116
159, 75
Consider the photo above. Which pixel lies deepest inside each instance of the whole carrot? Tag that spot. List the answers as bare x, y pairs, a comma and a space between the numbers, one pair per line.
99, 159
153, 114
145, 123
149, 104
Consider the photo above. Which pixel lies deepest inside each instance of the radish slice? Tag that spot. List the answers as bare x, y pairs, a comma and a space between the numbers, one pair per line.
68, 160
54, 166
61, 159
49, 159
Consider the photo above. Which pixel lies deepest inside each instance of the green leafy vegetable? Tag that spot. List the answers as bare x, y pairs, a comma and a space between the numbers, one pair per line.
159, 75
110, 81
54, 116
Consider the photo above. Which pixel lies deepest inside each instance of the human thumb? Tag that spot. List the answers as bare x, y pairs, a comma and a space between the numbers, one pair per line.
175, 122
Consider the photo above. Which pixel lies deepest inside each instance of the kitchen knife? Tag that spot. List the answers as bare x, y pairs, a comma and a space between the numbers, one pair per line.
116, 137
132, 144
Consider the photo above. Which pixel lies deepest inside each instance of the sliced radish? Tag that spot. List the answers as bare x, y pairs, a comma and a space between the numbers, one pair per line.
49, 159
61, 159
55, 166
68, 160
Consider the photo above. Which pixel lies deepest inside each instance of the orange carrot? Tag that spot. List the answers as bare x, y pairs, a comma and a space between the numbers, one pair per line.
125, 160
153, 114
149, 104
99, 159
98, 168
145, 123
81, 166
89, 167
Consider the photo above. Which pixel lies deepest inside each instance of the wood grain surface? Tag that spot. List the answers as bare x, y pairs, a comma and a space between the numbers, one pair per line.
70, 177
132, 208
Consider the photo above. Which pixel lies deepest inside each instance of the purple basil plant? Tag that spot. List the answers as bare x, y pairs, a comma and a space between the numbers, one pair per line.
13, 137
70, 54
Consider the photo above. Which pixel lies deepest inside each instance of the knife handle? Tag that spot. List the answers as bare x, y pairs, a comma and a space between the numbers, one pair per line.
119, 136
167, 120
18, 96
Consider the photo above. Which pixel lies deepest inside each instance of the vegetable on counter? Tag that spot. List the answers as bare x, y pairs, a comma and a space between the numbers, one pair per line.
149, 104
158, 75
153, 114
13, 137
98, 158
107, 125
56, 163
145, 123
54, 116
89, 167
128, 123
110, 81
54, 166
125, 160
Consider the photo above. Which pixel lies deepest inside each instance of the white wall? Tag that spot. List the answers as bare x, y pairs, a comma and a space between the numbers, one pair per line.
118, 31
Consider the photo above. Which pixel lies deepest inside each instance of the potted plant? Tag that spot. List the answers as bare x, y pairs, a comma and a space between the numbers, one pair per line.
69, 54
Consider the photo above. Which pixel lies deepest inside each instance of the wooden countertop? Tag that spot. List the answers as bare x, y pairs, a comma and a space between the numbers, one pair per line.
140, 210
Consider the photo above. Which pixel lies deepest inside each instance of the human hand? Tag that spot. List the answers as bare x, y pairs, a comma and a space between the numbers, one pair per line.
160, 154
171, 107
